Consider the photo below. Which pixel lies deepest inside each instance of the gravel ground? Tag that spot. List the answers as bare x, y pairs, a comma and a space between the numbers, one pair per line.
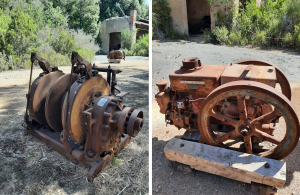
175, 178
26, 167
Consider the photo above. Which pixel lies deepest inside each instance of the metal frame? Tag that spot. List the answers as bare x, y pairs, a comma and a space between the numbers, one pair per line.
70, 149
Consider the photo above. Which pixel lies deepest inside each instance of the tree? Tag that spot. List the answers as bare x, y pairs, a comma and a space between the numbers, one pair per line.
82, 14
109, 9
20, 36
4, 25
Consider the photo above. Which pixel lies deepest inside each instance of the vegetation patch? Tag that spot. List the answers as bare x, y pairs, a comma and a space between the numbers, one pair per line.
273, 23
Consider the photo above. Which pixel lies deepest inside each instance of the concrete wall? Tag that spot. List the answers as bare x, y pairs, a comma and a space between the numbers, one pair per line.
179, 16
114, 25
199, 9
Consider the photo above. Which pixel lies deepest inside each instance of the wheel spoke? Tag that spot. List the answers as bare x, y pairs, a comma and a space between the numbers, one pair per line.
225, 119
264, 119
248, 144
242, 108
266, 137
227, 136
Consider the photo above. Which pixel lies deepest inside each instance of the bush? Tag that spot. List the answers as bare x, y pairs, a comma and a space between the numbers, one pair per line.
274, 19
162, 19
235, 38
221, 34
140, 48
260, 39
85, 53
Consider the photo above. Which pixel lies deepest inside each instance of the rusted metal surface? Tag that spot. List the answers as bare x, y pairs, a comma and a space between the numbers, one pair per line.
39, 90
44, 64
81, 106
199, 99
203, 80
246, 127
262, 74
281, 78
81, 96
191, 63
116, 54
54, 101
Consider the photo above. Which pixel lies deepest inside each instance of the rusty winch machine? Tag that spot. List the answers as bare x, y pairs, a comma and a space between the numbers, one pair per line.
244, 106
78, 114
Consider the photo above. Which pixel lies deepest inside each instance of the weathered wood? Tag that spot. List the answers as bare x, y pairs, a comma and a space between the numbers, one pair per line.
114, 60
227, 163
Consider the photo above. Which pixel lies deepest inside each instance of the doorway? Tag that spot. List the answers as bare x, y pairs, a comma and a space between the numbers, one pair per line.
114, 41
198, 12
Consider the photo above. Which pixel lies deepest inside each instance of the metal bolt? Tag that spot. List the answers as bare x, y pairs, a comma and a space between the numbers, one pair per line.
267, 165
244, 132
181, 145
247, 97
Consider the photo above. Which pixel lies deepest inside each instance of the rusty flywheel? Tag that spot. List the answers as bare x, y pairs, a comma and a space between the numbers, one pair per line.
253, 131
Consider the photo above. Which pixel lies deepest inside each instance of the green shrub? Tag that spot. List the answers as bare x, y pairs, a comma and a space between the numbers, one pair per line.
221, 34
61, 41
235, 38
85, 53
260, 39
207, 36
140, 48
288, 40
161, 18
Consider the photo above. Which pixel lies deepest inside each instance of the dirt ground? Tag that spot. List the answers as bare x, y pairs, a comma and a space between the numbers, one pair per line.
175, 178
26, 167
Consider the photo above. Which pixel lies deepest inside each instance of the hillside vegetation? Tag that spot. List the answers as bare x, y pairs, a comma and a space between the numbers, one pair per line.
55, 28
274, 23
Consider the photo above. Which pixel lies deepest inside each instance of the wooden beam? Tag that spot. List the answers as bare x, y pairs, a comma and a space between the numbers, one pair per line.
227, 163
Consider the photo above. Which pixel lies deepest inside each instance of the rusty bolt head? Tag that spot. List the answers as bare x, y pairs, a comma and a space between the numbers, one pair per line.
267, 165
244, 132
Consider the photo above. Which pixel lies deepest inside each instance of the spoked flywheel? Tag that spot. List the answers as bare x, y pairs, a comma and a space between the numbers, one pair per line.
241, 116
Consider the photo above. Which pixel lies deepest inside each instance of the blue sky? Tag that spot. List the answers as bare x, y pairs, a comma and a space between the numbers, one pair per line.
147, 2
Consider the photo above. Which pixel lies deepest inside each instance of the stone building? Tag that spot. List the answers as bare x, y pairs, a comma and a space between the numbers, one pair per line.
190, 16
111, 30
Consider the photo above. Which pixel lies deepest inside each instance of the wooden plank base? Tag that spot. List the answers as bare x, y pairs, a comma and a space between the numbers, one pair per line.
114, 60
227, 163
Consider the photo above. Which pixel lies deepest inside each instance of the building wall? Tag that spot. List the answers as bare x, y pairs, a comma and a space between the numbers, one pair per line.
179, 16
111, 25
